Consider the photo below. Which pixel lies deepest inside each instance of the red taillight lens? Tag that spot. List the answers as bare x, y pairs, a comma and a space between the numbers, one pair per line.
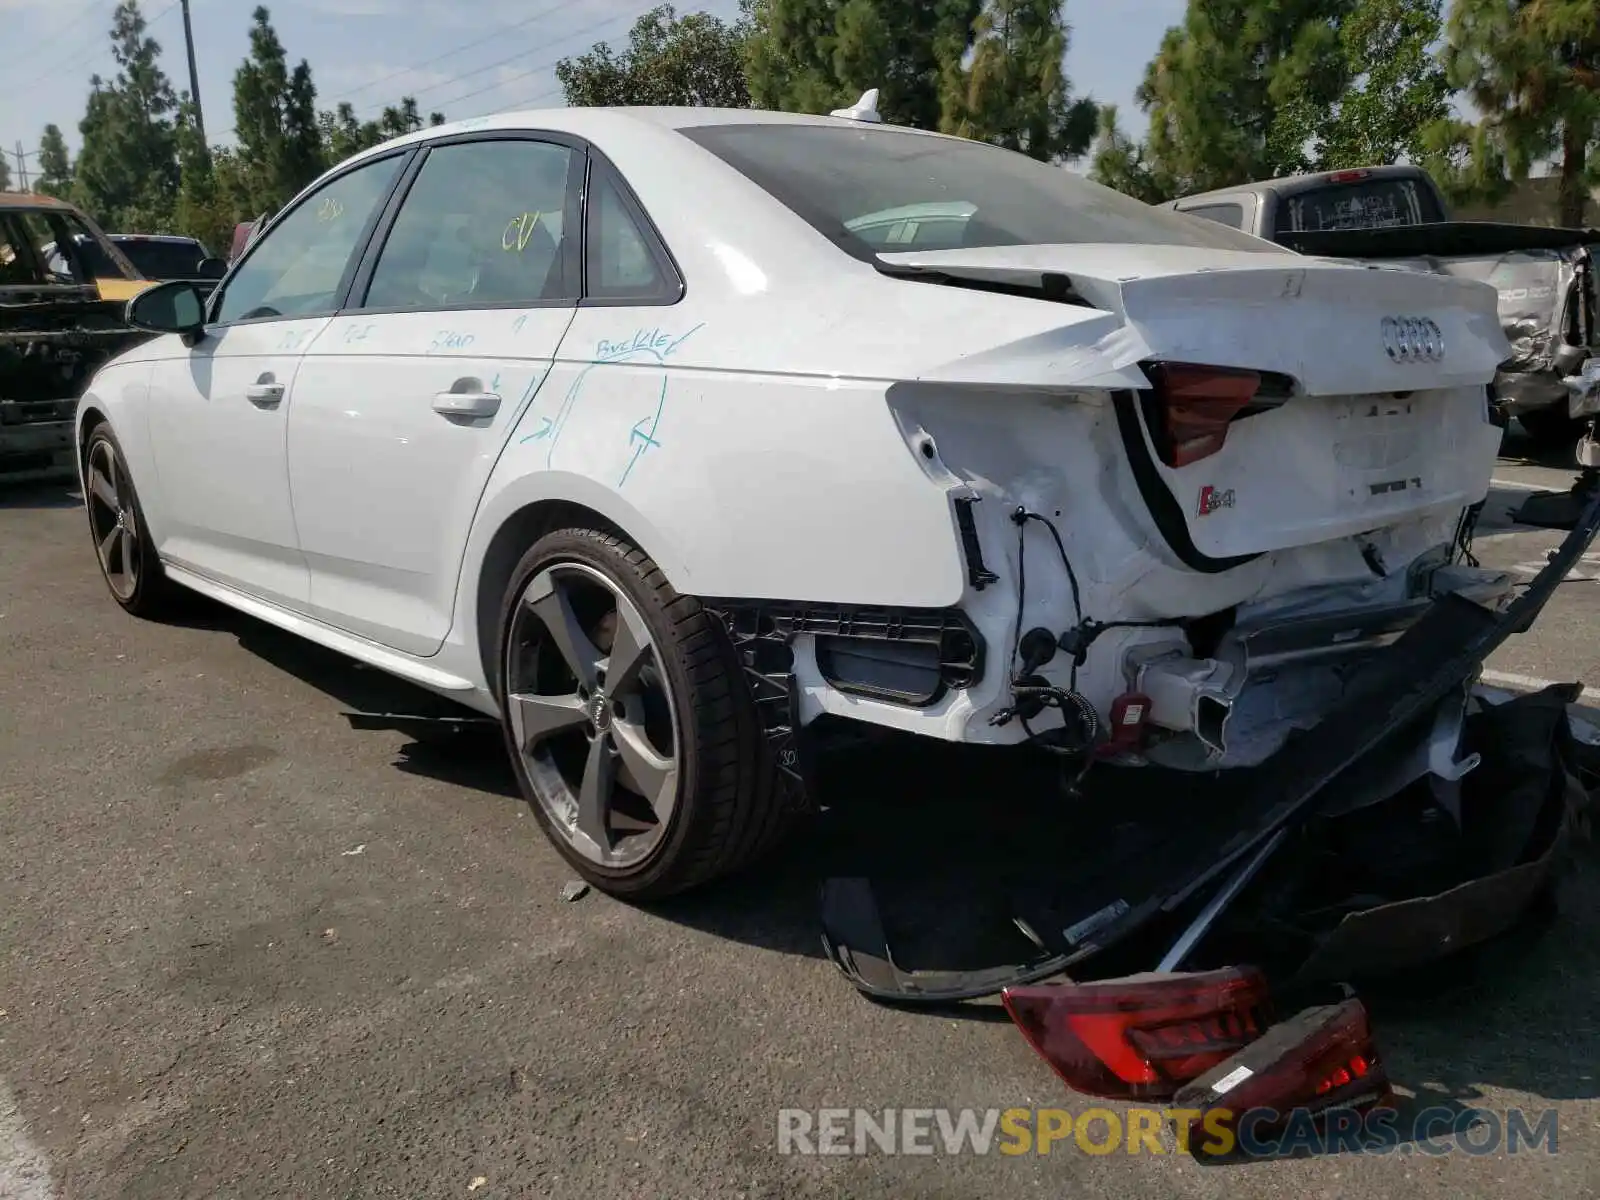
1320, 1059
1347, 176
1143, 1037
1196, 405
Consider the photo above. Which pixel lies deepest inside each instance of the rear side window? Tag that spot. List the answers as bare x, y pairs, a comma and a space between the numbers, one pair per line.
484, 224
622, 262
1231, 215
846, 180
1376, 204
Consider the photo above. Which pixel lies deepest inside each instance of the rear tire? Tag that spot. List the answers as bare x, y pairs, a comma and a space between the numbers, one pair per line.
1551, 428
128, 560
629, 723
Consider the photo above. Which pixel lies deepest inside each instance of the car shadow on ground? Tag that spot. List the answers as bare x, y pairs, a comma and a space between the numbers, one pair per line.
50, 494
946, 823
1519, 448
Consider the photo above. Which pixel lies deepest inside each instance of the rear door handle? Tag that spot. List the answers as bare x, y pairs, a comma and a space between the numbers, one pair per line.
264, 395
466, 404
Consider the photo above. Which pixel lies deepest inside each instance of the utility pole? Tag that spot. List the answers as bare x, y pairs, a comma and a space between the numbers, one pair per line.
22, 168
194, 78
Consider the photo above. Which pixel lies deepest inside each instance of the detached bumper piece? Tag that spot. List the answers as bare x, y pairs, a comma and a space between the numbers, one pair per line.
1325, 874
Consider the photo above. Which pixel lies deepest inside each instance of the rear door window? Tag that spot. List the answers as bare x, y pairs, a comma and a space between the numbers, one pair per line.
484, 224
1375, 204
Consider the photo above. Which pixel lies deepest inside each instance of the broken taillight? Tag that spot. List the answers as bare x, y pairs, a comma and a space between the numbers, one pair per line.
1141, 1037
1195, 405
1319, 1060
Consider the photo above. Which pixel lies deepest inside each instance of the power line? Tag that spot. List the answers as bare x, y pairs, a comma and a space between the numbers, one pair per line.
428, 62
71, 28
101, 38
499, 83
533, 70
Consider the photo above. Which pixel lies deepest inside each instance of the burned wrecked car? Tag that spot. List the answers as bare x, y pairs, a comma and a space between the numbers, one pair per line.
61, 318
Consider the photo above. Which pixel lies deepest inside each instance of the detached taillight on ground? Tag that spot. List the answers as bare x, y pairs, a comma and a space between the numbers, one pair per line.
1196, 405
1319, 1060
1143, 1037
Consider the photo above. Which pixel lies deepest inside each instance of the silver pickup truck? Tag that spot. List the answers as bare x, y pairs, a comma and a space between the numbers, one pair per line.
1396, 217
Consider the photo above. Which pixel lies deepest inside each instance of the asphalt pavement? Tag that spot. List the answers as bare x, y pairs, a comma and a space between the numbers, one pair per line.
247, 951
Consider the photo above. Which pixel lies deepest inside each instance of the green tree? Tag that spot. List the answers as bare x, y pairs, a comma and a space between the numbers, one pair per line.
5, 173
1014, 92
275, 123
1229, 91
697, 59
817, 55
344, 134
1121, 163
1395, 91
127, 171
55, 164
1532, 67
204, 209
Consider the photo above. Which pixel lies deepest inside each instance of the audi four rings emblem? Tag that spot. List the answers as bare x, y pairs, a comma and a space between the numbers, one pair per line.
1412, 340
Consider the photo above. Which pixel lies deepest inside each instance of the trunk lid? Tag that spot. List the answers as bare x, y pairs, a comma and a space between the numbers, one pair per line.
1353, 438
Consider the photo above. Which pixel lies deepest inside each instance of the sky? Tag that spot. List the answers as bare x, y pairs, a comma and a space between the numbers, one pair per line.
372, 52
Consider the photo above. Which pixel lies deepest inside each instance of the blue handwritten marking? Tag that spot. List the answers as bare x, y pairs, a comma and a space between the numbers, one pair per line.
495, 386
544, 430
447, 339
648, 343
516, 326
645, 440
643, 341
357, 333
291, 340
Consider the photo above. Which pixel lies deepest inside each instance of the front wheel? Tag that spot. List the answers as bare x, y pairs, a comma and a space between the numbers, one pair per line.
128, 560
630, 727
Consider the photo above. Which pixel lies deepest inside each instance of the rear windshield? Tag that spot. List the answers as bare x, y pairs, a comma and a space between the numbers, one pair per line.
163, 260
877, 189
1379, 204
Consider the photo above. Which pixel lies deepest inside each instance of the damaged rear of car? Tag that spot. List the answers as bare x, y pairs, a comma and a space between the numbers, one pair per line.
1216, 516
1548, 302
1193, 487
61, 318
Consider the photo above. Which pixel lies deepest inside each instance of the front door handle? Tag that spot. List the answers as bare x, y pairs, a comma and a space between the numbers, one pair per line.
264, 395
469, 401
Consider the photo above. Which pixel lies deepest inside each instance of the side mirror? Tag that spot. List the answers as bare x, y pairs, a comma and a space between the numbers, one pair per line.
211, 268
172, 307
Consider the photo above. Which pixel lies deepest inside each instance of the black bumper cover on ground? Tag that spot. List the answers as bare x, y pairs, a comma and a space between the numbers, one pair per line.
1386, 701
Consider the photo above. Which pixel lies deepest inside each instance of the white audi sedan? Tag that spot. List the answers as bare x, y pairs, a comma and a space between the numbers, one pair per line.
663, 433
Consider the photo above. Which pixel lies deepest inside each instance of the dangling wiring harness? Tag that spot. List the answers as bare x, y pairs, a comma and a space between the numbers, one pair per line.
1081, 731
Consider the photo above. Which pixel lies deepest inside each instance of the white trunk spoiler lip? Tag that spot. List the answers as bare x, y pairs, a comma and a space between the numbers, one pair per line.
1317, 321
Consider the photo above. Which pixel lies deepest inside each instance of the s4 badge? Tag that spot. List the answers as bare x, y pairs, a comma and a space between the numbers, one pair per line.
1212, 499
